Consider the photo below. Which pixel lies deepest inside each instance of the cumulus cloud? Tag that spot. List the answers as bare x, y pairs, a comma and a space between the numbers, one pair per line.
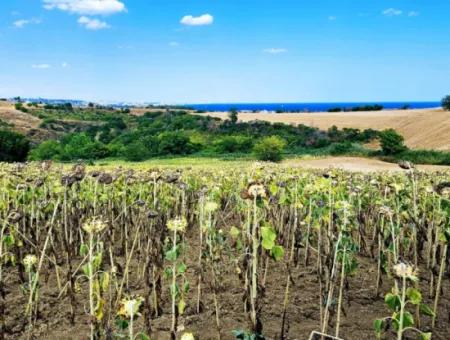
391, 12
86, 7
205, 19
23, 22
275, 50
92, 24
413, 14
41, 66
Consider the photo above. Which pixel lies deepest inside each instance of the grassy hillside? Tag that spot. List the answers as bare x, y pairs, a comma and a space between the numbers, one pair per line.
66, 133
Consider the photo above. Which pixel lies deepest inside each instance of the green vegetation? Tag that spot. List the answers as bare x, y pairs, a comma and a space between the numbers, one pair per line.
96, 133
446, 103
270, 149
391, 142
129, 253
4, 124
233, 115
375, 107
19, 106
421, 157
14, 147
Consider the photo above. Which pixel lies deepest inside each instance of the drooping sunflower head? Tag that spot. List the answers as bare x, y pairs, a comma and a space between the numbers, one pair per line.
405, 271
179, 224
94, 226
129, 307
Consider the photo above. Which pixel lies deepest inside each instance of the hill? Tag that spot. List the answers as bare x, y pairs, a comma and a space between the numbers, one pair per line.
422, 129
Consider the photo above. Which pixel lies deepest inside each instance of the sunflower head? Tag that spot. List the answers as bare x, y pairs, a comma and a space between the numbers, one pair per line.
405, 271
29, 261
129, 307
94, 226
179, 224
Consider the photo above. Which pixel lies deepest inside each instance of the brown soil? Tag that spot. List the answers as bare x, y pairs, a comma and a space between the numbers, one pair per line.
356, 164
425, 128
361, 306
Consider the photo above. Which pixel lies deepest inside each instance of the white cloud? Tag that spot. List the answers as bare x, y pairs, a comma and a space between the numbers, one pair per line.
41, 66
92, 24
390, 12
205, 19
23, 22
332, 18
86, 7
275, 50
413, 14
174, 44
64, 64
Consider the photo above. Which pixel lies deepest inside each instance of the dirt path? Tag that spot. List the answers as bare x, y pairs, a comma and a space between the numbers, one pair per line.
356, 164
426, 129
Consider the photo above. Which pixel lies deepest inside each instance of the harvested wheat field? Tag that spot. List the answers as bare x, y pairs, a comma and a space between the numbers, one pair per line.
422, 129
355, 164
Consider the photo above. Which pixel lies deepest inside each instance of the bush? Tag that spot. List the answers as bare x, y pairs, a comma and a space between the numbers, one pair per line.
20, 107
47, 150
233, 115
270, 149
446, 103
81, 146
391, 142
135, 152
14, 147
232, 144
340, 148
175, 143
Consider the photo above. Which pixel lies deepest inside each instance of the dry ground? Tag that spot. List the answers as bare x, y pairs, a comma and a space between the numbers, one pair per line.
422, 129
357, 164
22, 122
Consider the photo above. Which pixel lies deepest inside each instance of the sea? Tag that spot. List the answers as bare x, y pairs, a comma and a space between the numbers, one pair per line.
309, 107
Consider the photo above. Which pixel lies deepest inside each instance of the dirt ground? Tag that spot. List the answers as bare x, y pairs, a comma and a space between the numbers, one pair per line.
357, 164
361, 307
422, 129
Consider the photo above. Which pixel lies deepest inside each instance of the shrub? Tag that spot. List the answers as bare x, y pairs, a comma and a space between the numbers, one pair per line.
270, 149
81, 146
341, 148
14, 147
50, 149
391, 142
232, 144
19, 106
335, 109
135, 152
175, 143
233, 115
446, 103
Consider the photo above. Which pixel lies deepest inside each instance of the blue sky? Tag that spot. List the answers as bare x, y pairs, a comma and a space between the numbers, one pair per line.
200, 51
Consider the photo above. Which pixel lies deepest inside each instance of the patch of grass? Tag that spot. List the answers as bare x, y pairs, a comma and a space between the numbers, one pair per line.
420, 157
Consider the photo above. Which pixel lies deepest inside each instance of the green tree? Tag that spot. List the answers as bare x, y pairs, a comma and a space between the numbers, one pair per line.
14, 147
175, 143
270, 149
81, 146
135, 152
49, 149
391, 142
233, 115
446, 103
